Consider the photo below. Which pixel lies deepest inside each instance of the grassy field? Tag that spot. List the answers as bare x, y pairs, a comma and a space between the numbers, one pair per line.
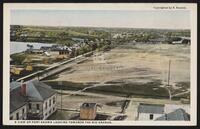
140, 70
133, 89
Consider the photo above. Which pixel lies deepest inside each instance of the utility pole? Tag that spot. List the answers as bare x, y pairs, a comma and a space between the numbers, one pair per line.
60, 83
169, 79
169, 72
110, 37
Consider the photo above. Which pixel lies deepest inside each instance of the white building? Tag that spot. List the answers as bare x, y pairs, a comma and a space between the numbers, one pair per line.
117, 36
167, 112
35, 99
183, 40
149, 112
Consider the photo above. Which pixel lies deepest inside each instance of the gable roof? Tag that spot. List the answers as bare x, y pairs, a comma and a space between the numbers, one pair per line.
151, 108
38, 91
16, 99
14, 85
35, 90
178, 114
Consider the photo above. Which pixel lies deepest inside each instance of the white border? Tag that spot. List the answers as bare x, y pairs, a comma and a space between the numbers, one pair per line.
100, 6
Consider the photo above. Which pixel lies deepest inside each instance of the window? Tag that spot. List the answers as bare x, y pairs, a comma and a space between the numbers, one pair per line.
54, 100
46, 105
17, 116
11, 117
29, 105
45, 114
49, 102
50, 112
151, 116
53, 109
38, 106
23, 111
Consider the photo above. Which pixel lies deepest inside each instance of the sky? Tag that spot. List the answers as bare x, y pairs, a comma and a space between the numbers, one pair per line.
165, 19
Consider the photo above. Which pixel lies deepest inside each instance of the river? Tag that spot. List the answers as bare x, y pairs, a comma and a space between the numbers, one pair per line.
16, 47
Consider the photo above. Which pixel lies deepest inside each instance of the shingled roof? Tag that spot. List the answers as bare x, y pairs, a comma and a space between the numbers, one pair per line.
16, 99
14, 85
178, 114
151, 108
35, 91
38, 91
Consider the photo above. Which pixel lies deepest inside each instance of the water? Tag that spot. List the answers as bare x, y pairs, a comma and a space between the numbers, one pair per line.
16, 47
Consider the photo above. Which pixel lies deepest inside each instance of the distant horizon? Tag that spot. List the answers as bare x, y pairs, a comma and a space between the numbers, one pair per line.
101, 27
158, 19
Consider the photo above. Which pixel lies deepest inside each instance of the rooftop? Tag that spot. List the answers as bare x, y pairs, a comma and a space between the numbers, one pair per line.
178, 114
17, 100
151, 108
36, 91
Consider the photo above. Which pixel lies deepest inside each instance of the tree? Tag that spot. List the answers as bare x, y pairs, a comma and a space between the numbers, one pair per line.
106, 48
63, 35
18, 59
42, 34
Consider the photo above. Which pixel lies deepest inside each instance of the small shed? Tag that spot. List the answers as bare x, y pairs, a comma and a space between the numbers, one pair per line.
88, 111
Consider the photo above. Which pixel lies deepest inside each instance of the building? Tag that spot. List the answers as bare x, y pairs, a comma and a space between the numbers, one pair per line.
78, 40
16, 71
60, 51
63, 52
47, 53
42, 100
183, 40
24, 34
46, 48
35, 51
150, 112
88, 111
18, 103
39, 100
117, 36
177, 115
169, 112
172, 107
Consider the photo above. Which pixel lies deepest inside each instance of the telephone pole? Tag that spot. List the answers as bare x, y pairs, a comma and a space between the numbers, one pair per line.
169, 72
169, 80
60, 83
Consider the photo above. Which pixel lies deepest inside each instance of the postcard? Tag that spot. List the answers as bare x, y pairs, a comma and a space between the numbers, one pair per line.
102, 64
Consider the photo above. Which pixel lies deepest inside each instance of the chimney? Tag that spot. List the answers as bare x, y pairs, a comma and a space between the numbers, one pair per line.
23, 89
